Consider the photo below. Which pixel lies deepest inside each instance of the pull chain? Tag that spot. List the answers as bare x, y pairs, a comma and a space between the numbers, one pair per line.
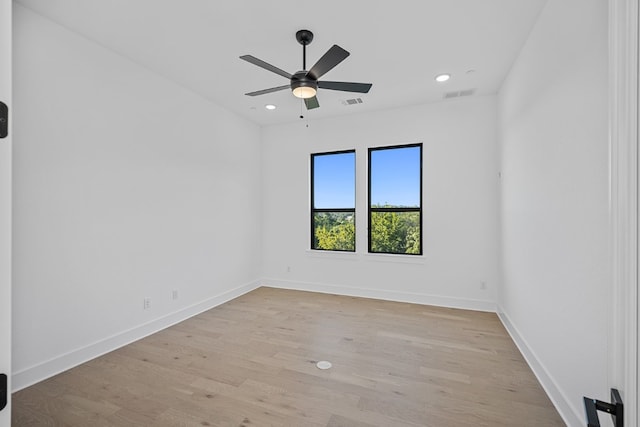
302, 115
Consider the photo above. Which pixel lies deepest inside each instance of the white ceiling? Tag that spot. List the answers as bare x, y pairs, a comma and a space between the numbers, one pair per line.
398, 46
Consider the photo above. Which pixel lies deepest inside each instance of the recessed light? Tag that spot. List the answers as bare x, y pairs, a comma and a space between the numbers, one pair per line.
441, 78
270, 107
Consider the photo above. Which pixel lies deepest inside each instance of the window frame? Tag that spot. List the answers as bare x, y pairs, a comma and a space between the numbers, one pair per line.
315, 210
371, 209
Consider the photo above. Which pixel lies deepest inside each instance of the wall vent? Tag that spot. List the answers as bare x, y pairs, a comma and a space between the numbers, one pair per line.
352, 101
459, 93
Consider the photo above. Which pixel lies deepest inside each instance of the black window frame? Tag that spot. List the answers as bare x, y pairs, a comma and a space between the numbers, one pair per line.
371, 209
315, 210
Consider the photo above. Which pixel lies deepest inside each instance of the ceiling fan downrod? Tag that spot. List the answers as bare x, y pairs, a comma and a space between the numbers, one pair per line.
304, 37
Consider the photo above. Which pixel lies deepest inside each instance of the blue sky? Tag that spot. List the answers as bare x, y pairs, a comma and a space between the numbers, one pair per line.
395, 180
395, 177
335, 180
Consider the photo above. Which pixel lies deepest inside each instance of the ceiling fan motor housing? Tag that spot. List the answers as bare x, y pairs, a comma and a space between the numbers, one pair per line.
302, 79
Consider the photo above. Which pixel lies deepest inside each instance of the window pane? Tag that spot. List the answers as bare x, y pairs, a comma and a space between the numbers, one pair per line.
395, 177
395, 189
395, 232
334, 180
334, 231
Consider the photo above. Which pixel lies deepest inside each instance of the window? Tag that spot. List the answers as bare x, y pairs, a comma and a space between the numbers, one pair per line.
333, 201
395, 199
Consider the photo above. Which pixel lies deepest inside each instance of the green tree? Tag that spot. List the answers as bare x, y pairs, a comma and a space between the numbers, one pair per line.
412, 243
334, 231
395, 232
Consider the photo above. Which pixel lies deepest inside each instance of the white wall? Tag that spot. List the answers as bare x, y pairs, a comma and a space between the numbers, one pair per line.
553, 114
126, 186
460, 205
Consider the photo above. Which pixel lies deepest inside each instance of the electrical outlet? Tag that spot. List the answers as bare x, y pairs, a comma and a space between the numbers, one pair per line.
174, 294
483, 285
147, 303
288, 269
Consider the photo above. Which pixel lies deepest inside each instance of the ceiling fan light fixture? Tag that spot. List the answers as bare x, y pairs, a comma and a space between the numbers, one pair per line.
304, 92
303, 86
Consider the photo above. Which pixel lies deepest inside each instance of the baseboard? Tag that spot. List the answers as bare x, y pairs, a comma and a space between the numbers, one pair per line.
569, 414
49, 368
415, 298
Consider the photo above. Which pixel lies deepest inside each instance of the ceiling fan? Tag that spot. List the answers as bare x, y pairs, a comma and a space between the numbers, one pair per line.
304, 84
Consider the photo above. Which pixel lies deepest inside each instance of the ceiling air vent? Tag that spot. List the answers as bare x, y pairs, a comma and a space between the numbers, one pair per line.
456, 94
352, 101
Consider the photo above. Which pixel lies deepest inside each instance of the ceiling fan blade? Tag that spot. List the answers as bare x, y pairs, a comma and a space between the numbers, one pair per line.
265, 65
346, 86
333, 57
263, 91
311, 103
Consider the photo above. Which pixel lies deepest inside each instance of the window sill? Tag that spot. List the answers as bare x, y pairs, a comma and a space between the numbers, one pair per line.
355, 256
396, 258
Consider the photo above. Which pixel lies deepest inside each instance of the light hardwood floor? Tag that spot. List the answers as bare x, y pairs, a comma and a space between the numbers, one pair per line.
251, 362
